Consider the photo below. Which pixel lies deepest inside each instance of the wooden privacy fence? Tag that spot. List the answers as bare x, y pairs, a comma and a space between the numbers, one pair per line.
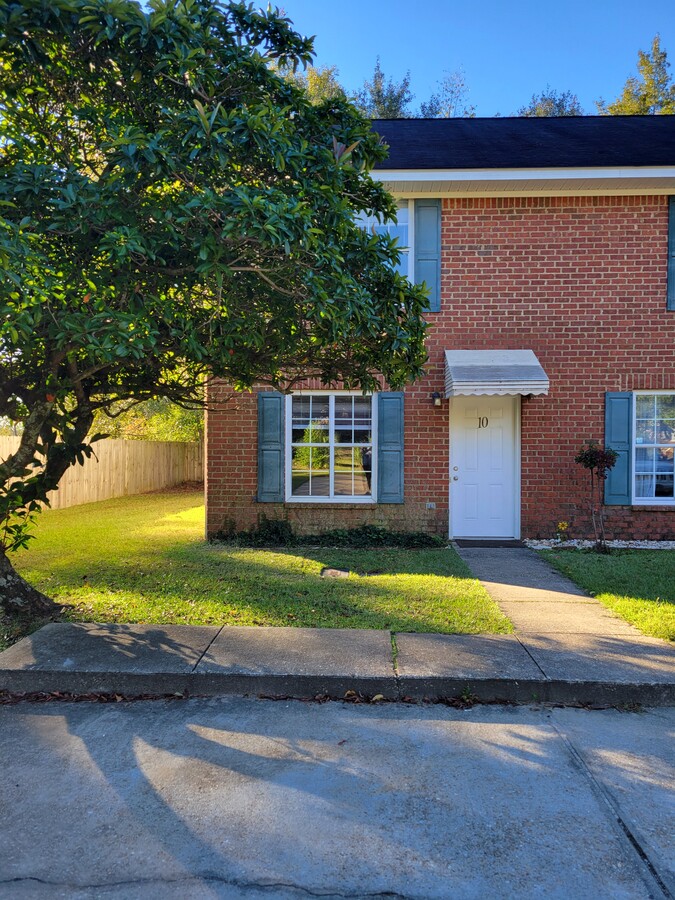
123, 467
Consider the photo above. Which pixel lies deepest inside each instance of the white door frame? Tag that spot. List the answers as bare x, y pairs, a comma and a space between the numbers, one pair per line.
517, 406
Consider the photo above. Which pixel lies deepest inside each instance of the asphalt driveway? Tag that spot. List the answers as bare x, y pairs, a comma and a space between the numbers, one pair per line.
236, 797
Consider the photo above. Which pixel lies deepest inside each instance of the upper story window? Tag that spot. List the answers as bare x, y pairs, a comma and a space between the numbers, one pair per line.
654, 448
418, 231
401, 229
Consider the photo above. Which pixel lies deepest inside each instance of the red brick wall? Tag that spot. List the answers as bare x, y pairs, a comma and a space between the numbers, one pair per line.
582, 282
231, 481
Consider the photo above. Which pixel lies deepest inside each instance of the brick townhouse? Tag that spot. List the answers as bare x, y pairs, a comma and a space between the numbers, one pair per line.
548, 247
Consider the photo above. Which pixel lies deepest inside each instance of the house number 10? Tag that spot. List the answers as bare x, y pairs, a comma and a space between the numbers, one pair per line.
483, 422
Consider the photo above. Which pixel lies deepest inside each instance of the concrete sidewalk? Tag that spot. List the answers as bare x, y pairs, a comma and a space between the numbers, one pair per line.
306, 662
567, 649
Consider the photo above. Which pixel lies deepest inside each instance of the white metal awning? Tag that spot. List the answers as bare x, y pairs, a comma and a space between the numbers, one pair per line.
471, 372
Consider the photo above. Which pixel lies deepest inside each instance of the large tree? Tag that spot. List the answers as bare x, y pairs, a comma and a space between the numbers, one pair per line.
171, 209
650, 92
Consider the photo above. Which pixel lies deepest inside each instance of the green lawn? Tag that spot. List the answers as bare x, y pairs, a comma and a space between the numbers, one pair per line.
144, 559
638, 585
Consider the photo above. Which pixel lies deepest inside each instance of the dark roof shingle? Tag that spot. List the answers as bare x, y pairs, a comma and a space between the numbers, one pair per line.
527, 143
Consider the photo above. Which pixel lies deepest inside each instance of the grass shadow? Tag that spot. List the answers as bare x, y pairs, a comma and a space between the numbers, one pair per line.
144, 560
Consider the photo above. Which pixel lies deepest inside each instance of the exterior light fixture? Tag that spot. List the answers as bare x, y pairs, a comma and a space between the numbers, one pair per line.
436, 397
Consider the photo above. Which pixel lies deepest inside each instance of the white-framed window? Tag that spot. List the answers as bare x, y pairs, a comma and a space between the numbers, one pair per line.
653, 448
331, 447
402, 228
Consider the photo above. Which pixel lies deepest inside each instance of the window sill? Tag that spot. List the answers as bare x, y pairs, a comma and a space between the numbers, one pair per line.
329, 504
669, 505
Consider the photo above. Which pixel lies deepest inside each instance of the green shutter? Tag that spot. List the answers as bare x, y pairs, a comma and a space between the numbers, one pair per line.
427, 241
618, 436
671, 253
390, 447
270, 447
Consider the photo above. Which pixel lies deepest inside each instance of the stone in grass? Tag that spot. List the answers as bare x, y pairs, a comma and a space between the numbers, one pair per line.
327, 572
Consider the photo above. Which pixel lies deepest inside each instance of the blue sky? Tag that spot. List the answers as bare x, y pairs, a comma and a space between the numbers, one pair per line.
508, 50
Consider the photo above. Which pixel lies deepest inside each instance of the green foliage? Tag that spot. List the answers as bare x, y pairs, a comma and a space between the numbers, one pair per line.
320, 458
384, 98
649, 93
268, 533
279, 533
152, 420
551, 103
320, 83
172, 209
366, 536
16, 519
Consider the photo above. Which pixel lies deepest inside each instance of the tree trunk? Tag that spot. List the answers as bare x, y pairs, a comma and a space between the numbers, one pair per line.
18, 598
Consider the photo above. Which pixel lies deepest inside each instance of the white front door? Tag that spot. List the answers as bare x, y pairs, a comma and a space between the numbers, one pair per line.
484, 464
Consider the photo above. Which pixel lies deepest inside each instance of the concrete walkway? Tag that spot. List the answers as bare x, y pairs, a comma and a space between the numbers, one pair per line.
569, 635
537, 598
567, 648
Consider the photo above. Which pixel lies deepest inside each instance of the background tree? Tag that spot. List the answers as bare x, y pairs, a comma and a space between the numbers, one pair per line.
649, 93
450, 100
384, 98
315, 458
151, 420
171, 209
318, 82
551, 103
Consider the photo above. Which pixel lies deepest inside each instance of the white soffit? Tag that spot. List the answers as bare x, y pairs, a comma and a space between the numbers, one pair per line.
495, 372
638, 179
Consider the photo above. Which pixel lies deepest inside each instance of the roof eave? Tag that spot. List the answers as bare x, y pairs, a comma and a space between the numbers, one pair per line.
518, 182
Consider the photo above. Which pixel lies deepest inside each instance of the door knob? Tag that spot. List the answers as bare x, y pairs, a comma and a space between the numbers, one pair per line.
455, 477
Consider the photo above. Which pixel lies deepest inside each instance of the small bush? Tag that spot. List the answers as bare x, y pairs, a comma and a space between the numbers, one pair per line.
598, 461
279, 533
368, 536
267, 533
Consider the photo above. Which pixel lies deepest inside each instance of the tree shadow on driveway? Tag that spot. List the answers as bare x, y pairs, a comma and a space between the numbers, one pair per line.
244, 795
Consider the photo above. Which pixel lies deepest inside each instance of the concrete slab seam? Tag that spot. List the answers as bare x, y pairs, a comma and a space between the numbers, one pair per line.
394, 666
624, 829
206, 649
531, 657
